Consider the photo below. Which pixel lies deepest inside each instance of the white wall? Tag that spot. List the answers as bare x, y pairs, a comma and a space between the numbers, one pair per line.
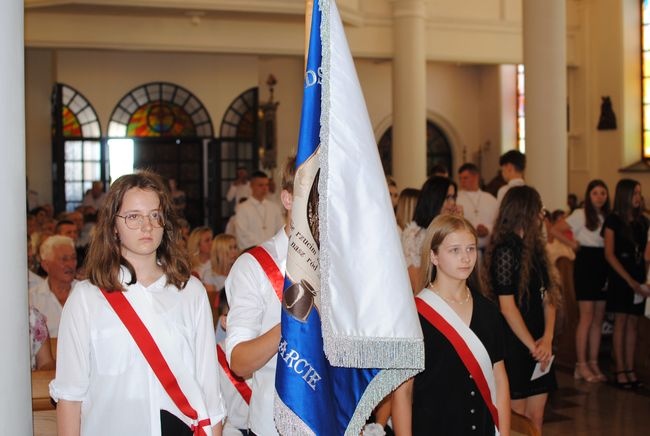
460, 98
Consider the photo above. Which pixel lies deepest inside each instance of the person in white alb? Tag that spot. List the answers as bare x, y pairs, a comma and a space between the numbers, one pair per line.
257, 218
59, 260
513, 164
479, 207
253, 333
240, 187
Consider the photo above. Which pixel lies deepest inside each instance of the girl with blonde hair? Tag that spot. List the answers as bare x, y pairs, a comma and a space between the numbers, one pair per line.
464, 387
198, 247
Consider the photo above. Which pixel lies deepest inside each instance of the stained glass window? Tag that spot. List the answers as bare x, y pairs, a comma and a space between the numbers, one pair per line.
159, 110
645, 73
240, 120
521, 112
78, 118
78, 146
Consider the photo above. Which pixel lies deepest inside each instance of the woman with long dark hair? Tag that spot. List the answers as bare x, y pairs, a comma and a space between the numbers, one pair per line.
140, 319
438, 195
589, 275
517, 272
625, 233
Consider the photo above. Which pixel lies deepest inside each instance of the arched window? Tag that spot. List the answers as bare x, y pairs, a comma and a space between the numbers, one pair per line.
240, 120
438, 149
163, 127
77, 146
159, 110
237, 146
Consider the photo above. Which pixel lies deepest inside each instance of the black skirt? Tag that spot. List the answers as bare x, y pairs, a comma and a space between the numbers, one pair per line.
590, 274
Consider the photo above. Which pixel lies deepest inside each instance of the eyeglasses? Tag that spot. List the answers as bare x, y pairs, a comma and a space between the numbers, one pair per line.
135, 221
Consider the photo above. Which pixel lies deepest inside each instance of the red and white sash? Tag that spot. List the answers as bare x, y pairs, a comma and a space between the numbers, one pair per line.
159, 365
238, 383
270, 268
469, 347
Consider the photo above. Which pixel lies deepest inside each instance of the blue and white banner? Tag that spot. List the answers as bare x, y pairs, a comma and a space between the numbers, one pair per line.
350, 329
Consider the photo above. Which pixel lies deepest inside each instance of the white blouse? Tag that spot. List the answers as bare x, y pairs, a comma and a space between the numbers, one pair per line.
584, 236
99, 363
412, 241
212, 278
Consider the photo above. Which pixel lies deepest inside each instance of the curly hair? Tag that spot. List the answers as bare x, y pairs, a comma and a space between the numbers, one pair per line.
105, 258
519, 214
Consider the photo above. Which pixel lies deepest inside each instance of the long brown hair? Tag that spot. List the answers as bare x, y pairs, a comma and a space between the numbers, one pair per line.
441, 227
104, 254
519, 213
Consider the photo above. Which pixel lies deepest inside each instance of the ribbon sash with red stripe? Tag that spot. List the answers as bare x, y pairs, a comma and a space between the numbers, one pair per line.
270, 268
154, 357
465, 354
238, 382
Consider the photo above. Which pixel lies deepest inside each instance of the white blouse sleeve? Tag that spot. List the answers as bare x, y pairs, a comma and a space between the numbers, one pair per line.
73, 348
244, 287
207, 367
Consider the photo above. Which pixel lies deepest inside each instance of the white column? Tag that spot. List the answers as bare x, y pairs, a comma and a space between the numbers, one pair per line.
546, 102
409, 93
15, 399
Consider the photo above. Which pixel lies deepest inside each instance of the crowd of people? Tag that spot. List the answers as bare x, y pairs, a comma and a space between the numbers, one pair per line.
505, 249
484, 262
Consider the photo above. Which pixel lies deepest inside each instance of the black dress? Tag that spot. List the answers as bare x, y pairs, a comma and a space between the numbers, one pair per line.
446, 400
504, 273
629, 246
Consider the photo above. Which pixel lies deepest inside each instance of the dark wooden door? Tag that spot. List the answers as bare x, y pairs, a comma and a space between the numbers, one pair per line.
181, 159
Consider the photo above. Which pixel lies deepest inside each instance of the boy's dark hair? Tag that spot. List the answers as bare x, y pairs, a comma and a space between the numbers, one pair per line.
514, 157
468, 167
63, 223
259, 175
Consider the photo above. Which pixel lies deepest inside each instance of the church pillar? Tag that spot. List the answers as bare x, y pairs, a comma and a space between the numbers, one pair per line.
15, 401
544, 27
409, 93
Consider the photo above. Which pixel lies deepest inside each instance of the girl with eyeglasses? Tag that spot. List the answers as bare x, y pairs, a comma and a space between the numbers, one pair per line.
108, 379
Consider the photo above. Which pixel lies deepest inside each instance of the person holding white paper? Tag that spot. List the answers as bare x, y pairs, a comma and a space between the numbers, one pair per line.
458, 392
516, 266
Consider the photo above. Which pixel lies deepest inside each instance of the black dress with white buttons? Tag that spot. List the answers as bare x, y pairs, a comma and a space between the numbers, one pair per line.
446, 400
